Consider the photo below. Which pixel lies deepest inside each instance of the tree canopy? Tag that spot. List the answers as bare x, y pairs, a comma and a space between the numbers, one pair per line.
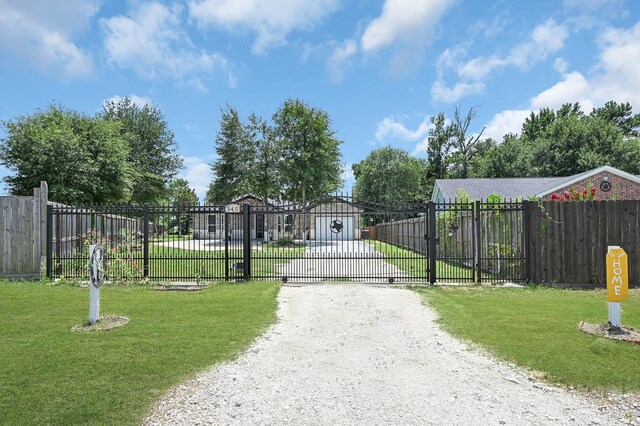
311, 157
124, 154
297, 157
390, 175
567, 142
152, 147
83, 159
233, 163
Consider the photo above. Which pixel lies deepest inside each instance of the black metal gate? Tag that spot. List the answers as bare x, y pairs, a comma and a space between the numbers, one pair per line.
336, 238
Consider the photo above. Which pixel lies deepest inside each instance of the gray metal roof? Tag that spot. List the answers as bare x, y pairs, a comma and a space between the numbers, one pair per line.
481, 188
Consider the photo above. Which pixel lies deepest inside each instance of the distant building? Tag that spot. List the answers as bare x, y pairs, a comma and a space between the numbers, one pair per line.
609, 183
334, 218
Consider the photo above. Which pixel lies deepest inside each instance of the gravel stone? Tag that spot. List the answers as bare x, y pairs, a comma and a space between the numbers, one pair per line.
344, 354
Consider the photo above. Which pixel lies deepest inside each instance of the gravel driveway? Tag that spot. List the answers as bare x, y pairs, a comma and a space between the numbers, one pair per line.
358, 354
351, 258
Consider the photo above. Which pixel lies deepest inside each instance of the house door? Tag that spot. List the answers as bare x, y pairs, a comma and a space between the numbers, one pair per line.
259, 226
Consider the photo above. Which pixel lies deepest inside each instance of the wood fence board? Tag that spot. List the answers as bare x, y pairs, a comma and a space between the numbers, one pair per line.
586, 241
634, 241
570, 257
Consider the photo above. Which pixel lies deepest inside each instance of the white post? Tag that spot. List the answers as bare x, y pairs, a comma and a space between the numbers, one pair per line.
614, 313
94, 295
614, 307
94, 303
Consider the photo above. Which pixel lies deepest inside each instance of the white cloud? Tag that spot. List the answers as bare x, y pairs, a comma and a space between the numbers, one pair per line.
198, 173
573, 88
391, 128
619, 67
340, 59
544, 40
440, 92
348, 178
479, 68
615, 78
151, 42
271, 21
560, 65
403, 20
509, 121
139, 101
42, 33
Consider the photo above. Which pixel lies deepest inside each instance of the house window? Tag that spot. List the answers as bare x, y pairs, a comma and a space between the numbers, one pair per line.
279, 224
212, 223
288, 222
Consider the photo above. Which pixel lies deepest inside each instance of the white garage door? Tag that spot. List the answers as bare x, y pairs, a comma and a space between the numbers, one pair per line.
334, 228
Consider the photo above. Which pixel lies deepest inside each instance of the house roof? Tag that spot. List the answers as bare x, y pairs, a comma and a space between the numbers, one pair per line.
511, 188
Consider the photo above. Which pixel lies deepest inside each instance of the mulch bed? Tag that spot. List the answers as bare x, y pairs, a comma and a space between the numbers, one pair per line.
104, 323
625, 334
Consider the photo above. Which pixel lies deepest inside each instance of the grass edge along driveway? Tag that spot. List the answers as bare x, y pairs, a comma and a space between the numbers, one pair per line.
49, 375
536, 329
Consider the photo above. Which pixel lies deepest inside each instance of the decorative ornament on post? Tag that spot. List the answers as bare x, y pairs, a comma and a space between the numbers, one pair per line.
97, 277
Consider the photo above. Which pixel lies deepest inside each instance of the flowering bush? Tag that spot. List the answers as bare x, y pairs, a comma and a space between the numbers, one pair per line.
587, 194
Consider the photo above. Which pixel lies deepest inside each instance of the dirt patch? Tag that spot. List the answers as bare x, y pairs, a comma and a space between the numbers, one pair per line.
104, 323
625, 334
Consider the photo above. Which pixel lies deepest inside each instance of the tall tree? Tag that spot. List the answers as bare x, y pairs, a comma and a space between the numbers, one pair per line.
311, 158
311, 165
390, 175
152, 147
83, 159
266, 179
621, 115
465, 145
512, 158
439, 144
183, 197
233, 165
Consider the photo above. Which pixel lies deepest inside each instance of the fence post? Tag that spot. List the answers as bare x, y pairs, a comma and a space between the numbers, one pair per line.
478, 243
49, 241
246, 240
525, 228
431, 241
145, 230
226, 246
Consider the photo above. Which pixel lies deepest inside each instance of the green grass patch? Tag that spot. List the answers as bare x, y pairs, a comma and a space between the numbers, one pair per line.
415, 264
167, 262
51, 375
536, 329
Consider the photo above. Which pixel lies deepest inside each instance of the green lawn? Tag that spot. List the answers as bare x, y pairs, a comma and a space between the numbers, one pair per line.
536, 329
172, 262
50, 375
415, 264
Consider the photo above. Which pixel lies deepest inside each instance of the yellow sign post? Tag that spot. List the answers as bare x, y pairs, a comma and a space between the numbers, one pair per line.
617, 282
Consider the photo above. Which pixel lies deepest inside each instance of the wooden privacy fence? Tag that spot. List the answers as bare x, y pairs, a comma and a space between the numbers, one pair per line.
23, 220
568, 241
549, 242
470, 241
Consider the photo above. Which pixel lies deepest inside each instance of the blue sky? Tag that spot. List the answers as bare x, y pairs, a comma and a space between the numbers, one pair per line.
380, 69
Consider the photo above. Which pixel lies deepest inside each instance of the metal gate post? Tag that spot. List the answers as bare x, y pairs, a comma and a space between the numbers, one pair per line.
226, 246
145, 247
478, 243
246, 240
431, 241
49, 241
525, 228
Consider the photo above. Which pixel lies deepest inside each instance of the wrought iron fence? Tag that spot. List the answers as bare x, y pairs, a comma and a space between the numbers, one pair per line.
335, 238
